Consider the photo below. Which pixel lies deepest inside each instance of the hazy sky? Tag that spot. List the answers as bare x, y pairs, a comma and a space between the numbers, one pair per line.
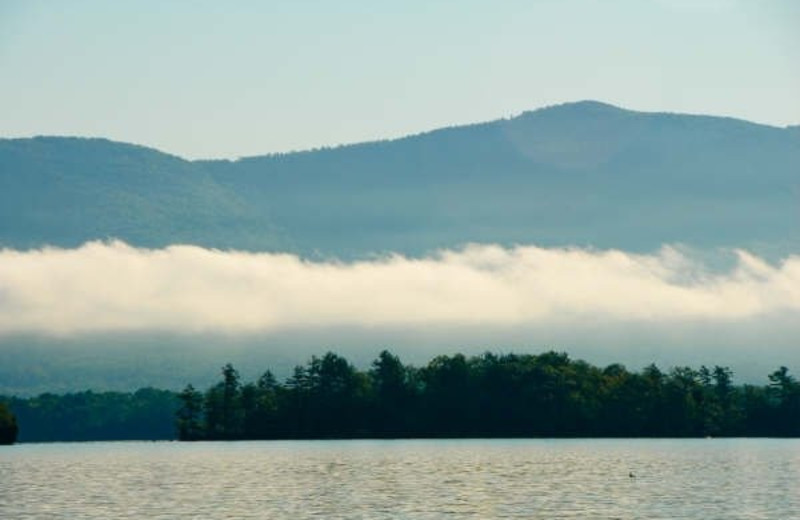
226, 79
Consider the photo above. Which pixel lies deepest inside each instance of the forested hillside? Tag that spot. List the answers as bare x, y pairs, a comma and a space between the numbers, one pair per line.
576, 174
65, 191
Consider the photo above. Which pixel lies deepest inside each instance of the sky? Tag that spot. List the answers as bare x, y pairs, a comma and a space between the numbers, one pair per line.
231, 79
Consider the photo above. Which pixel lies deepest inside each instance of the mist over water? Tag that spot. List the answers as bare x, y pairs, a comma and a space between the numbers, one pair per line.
124, 317
102, 287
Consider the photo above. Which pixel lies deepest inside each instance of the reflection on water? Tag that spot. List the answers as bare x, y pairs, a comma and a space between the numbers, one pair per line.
694, 479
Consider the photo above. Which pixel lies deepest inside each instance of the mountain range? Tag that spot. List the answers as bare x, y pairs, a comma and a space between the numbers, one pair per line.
583, 174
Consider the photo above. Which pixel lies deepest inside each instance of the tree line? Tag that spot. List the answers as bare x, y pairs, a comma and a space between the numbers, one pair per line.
8, 425
490, 395
146, 414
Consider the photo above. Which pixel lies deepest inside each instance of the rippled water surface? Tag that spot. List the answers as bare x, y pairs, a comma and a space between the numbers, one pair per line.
697, 479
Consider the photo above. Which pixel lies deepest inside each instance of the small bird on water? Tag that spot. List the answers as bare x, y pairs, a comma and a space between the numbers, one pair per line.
631, 475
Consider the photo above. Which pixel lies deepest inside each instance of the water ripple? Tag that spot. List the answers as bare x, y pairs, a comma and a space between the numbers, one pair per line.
423, 479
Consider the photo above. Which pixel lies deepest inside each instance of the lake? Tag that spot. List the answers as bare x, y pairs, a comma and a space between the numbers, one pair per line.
548, 479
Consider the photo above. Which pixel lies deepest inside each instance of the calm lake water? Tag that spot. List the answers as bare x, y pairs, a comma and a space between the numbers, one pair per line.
549, 479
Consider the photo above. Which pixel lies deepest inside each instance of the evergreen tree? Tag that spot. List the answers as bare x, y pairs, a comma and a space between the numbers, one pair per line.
190, 415
8, 425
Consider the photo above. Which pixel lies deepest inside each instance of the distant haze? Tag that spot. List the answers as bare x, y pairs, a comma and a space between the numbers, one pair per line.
179, 186
114, 287
107, 315
614, 235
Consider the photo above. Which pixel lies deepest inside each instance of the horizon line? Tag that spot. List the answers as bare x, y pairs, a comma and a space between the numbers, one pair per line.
375, 140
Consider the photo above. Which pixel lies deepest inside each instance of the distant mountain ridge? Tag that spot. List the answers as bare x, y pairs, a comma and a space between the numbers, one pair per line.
585, 173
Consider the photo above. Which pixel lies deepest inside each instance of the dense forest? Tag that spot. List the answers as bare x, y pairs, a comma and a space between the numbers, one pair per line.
147, 414
509, 395
8, 425
491, 395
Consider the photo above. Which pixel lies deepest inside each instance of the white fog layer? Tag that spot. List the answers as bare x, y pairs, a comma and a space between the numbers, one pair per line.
107, 287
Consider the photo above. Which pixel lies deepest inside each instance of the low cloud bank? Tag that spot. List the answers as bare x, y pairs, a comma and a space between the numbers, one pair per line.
102, 287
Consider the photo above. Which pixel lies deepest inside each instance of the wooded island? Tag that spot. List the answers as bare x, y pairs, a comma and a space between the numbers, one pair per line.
490, 395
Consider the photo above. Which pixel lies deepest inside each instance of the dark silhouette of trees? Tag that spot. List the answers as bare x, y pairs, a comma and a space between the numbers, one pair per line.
784, 392
146, 414
394, 392
189, 416
8, 425
491, 395
327, 398
224, 412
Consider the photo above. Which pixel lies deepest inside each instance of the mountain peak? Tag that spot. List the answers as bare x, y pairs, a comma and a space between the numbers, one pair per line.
586, 106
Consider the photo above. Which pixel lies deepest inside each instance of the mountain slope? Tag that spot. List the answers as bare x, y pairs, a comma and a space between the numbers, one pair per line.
577, 174
65, 191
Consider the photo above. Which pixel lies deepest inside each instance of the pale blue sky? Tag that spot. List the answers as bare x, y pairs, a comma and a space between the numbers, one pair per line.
227, 79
